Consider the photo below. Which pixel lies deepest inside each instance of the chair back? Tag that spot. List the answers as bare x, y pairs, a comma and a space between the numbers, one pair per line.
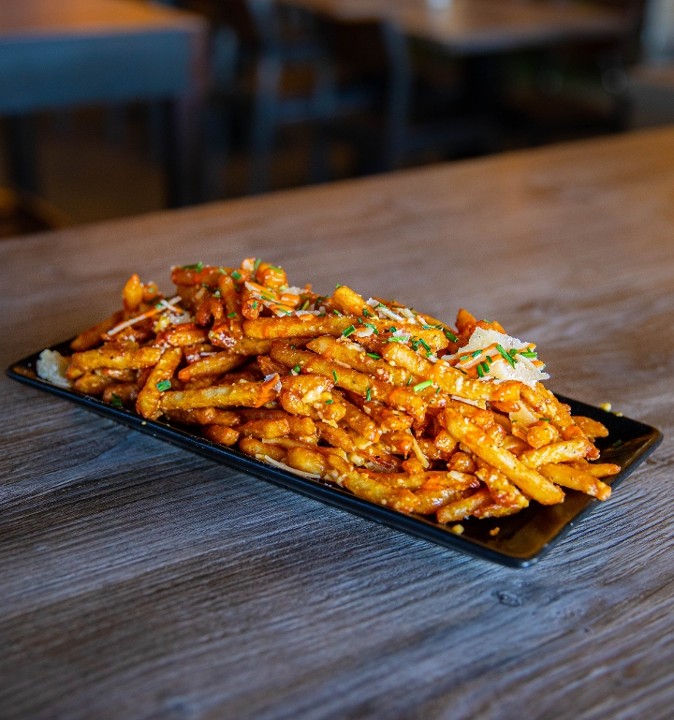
255, 22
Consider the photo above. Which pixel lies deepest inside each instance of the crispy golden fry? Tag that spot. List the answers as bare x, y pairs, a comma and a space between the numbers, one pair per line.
221, 434
562, 451
92, 337
277, 328
243, 394
364, 394
599, 470
92, 383
592, 428
113, 358
576, 479
464, 507
183, 335
158, 381
216, 364
288, 426
204, 416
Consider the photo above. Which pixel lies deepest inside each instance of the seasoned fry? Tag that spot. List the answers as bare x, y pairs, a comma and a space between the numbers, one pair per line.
242, 394
158, 381
389, 404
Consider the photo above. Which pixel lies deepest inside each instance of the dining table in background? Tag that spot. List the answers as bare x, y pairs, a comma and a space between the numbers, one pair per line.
482, 27
57, 56
140, 580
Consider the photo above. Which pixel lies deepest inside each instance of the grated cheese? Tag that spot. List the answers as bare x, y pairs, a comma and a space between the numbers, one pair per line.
499, 357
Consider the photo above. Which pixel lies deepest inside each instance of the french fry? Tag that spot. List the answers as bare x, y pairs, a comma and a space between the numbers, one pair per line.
243, 394
576, 479
158, 381
216, 364
91, 337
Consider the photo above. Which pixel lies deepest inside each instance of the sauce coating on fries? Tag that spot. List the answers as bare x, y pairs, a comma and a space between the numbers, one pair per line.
389, 403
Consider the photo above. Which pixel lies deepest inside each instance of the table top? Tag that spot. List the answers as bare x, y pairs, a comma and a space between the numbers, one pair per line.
39, 19
55, 54
481, 26
139, 580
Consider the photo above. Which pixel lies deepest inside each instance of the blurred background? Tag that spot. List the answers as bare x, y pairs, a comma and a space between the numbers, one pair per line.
294, 93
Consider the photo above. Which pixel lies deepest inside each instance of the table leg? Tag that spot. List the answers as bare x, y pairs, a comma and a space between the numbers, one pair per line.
19, 138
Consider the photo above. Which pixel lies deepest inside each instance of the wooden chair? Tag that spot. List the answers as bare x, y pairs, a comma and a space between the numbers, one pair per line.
583, 88
277, 76
22, 213
388, 105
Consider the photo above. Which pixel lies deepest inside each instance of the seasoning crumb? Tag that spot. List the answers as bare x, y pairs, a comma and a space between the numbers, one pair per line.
495, 531
457, 529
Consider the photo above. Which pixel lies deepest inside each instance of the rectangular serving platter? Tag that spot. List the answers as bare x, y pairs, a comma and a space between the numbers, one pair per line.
517, 541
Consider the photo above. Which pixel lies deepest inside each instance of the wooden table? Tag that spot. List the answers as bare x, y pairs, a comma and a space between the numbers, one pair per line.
56, 55
141, 581
479, 27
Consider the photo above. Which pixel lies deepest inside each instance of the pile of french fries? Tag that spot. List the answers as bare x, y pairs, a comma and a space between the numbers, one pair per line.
365, 394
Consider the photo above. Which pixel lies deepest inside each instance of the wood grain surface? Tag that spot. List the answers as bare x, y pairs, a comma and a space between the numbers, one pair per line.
141, 581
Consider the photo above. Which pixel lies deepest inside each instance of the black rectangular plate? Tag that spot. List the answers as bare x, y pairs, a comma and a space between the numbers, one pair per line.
521, 539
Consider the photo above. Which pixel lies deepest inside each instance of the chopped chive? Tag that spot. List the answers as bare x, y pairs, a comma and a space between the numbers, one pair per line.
231, 315
374, 356
450, 335
366, 312
505, 355
329, 402
256, 264
372, 327
236, 275
368, 395
529, 354
334, 375
395, 339
393, 328
476, 353
305, 305
422, 385
348, 331
163, 385
116, 401
336, 312
297, 369
195, 266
